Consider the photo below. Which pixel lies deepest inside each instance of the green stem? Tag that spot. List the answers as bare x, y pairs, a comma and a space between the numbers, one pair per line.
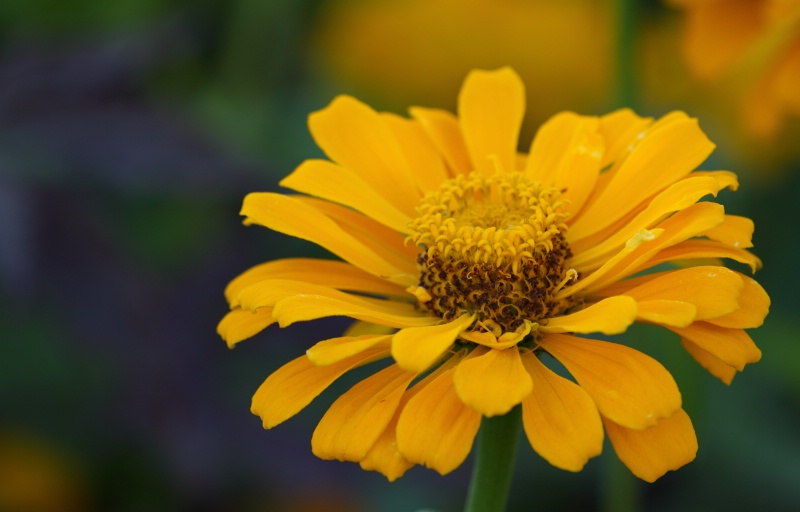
626, 53
491, 476
620, 491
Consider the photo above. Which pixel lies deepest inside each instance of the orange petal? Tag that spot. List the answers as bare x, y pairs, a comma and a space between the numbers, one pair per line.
417, 348
713, 364
425, 163
302, 308
674, 147
560, 419
591, 253
435, 428
732, 346
357, 418
640, 250
703, 249
609, 316
354, 135
666, 312
713, 290
753, 307
629, 387
298, 219
335, 274
336, 349
490, 108
384, 456
650, 453
269, 292
621, 130
492, 381
294, 385
566, 154
735, 231
381, 240
444, 131
326, 180
240, 324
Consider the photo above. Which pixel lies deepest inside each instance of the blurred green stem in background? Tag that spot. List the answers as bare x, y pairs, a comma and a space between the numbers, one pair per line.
494, 465
627, 17
619, 488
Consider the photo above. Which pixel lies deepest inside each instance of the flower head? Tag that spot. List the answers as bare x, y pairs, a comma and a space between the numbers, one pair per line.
468, 267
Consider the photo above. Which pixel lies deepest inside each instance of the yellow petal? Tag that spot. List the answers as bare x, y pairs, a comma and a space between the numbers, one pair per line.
304, 308
666, 312
359, 328
713, 290
735, 231
425, 163
336, 349
650, 453
335, 274
609, 316
507, 339
702, 249
435, 428
560, 419
326, 180
726, 179
240, 324
753, 307
417, 348
294, 385
628, 386
640, 251
292, 217
665, 154
268, 292
590, 253
354, 135
384, 456
492, 381
385, 242
357, 418
444, 131
732, 346
490, 108
566, 154
713, 364
621, 130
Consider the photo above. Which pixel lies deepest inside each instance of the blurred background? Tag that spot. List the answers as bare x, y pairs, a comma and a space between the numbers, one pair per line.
131, 131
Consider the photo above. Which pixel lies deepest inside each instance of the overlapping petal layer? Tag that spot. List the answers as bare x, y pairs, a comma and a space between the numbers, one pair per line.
629, 387
560, 419
651, 452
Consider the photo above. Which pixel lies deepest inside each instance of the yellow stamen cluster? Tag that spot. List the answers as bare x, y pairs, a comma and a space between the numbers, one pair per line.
494, 247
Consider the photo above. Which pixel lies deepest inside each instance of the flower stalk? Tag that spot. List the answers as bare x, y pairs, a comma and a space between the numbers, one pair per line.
494, 465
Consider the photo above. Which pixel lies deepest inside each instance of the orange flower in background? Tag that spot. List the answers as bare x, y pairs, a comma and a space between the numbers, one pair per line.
469, 268
752, 47
412, 50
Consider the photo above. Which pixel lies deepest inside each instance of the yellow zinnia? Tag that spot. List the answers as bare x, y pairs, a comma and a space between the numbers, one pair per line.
466, 262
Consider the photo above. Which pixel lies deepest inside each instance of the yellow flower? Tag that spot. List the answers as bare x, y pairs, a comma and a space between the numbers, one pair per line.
471, 266
752, 47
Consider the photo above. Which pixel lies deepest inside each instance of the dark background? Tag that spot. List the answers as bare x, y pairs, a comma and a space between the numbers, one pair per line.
129, 134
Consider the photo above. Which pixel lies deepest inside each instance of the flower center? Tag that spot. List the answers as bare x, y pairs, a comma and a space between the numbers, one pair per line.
493, 247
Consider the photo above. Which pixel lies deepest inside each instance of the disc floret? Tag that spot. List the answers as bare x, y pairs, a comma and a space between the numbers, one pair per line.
494, 247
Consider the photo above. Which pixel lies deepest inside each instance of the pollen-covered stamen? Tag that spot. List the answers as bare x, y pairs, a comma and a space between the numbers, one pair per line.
492, 246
